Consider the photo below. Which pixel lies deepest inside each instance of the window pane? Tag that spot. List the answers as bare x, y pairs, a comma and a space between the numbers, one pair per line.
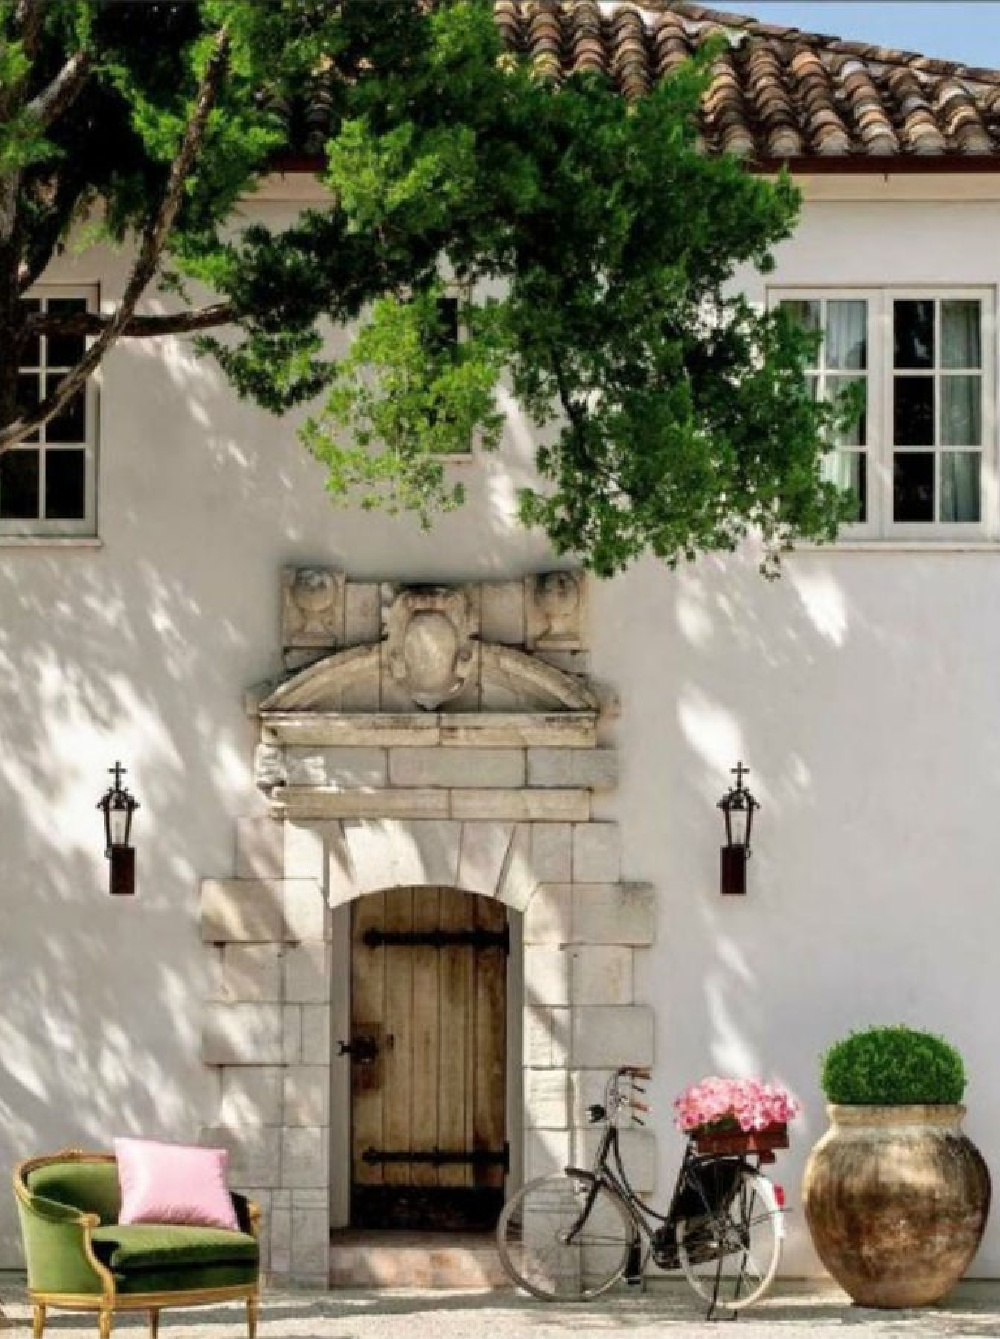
65, 350
913, 486
849, 471
960, 487
70, 424
19, 484
960, 324
961, 411
31, 352
913, 411
28, 398
855, 433
913, 323
65, 475
804, 311
846, 334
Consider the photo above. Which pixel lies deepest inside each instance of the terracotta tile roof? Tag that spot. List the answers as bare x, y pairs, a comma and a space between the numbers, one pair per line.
776, 92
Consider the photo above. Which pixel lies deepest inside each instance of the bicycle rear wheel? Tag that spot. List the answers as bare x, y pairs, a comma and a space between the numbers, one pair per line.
565, 1238
730, 1254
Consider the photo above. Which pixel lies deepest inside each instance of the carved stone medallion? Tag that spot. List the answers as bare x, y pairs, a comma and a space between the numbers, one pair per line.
554, 609
312, 607
429, 646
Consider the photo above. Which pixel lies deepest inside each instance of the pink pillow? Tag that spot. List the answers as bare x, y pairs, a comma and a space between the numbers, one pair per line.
173, 1183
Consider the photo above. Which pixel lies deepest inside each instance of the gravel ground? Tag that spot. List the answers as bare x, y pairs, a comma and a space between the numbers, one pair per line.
792, 1312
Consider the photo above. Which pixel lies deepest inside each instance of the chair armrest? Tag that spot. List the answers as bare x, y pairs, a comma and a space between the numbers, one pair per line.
58, 1249
247, 1213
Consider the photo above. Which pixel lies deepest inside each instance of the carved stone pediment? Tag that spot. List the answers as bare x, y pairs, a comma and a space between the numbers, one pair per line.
429, 644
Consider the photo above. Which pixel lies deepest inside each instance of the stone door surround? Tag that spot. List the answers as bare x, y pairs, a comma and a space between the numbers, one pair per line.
432, 755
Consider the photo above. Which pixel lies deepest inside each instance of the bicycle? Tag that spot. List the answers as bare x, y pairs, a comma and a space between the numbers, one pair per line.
571, 1236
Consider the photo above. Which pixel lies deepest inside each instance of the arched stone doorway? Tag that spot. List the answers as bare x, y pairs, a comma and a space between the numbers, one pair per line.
491, 794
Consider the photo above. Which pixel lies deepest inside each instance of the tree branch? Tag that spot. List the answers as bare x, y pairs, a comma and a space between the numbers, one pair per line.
137, 327
51, 102
153, 240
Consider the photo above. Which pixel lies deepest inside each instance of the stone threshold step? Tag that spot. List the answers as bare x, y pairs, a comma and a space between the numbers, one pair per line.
449, 1260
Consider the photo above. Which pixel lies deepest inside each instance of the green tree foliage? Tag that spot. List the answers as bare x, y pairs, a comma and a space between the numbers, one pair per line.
893, 1066
592, 245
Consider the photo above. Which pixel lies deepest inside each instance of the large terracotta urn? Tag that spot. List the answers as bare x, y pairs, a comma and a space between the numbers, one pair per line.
896, 1198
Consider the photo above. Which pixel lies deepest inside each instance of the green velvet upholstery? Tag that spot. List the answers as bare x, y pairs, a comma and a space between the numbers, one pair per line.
53, 1246
88, 1187
129, 1247
53, 1197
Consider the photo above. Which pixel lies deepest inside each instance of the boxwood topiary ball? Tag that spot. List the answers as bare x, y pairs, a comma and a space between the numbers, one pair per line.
892, 1066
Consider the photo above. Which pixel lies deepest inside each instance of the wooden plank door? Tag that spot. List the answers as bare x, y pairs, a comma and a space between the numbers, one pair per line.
428, 1059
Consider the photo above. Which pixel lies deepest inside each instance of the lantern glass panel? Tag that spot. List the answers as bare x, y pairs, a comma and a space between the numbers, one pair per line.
118, 821
738, 826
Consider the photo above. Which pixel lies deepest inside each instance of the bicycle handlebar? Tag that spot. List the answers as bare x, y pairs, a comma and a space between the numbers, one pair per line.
636, 1071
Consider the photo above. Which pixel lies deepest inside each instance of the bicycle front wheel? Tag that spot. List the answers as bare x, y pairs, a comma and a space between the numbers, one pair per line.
565, 1238
730, 1253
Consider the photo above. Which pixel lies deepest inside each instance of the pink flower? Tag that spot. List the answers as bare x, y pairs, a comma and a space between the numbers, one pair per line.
747, 1103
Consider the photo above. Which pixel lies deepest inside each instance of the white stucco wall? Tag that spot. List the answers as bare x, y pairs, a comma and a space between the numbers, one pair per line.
861, 689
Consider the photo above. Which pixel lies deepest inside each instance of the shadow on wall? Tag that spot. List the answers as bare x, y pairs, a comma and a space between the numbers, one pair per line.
861, 690
142, 650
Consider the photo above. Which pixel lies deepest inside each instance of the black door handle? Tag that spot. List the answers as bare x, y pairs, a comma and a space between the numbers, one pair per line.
362, 1050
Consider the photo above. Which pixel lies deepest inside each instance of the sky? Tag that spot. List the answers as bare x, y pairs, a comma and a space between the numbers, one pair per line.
962, 30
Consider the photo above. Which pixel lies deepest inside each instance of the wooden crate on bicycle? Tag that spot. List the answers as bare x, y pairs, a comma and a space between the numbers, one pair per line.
763, 1143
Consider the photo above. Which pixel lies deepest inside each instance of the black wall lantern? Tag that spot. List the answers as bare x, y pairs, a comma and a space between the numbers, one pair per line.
738, 807
118, 807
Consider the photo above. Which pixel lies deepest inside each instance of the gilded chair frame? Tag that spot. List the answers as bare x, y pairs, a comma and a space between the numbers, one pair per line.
107, 1300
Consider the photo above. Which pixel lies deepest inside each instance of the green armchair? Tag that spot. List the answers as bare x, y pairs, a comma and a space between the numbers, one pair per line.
80, 1258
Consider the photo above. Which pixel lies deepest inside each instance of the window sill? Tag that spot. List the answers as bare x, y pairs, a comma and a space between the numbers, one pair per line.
903, 546
51, 542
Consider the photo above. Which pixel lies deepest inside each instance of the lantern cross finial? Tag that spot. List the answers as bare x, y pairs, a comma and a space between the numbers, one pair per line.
739, 771
118, 771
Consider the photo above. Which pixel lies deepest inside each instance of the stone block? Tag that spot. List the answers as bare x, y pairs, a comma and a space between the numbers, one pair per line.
304, 1156
241, 910
500, 728
254, 1153
502, 616
586, 1087
315, 1034
340, 769
303, 803
291, 1033
307, 1095
484, 848
540, 806
546, 1037
362, 613
307, 915
242, 1034
601, 975
518, 882
546, 1099
307, 973
281, 1231
604, 1037
251, 1095
259, 849
548, 917
595, 769
616, 913
596, 853
456, 767
341, 881
425, 853
546, 975
546, 1152
310, 1243
249, 973
305, 851
310, 1199
552, 852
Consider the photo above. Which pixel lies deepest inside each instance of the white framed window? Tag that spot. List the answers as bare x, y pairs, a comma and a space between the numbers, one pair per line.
920, 459
48, 482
